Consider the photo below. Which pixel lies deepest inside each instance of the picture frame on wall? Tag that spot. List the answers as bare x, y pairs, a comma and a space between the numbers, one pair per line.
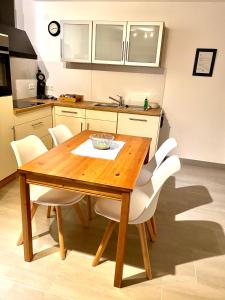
204, 62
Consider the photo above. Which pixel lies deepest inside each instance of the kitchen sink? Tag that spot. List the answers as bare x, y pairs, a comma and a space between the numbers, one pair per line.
106, 105
133, 107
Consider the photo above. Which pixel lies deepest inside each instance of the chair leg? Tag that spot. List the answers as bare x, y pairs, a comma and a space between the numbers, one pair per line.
105, 239
33, 211
153, 224
80, 214
150, 230
90, 216
144, 248
49, 212
60, 232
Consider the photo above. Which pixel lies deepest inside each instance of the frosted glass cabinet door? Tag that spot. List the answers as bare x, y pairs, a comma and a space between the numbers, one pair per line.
76, 41
108, 42
143, 44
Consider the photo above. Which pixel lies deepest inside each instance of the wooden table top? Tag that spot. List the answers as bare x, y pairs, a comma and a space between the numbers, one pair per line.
120, 173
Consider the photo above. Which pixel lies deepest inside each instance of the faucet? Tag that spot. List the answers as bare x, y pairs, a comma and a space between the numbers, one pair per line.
120, 101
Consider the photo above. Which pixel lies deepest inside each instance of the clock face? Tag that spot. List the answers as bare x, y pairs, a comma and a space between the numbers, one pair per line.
54, 28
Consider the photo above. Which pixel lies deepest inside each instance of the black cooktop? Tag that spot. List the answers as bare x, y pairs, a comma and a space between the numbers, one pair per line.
23, 104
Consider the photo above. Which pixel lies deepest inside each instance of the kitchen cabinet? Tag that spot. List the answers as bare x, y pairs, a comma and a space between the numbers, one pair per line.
143, 43
129, 43
140, 125
8, 162
108, 42
76, 41
104, 121
34, 122
73, 118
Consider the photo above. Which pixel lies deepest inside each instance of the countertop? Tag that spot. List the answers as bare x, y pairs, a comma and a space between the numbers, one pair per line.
87, 105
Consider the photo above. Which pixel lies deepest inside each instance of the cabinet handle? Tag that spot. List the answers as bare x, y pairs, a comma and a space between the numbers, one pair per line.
14, 133
68, 111
87, 126
37, 124
140, 120
123, 48
127, 50
81, 126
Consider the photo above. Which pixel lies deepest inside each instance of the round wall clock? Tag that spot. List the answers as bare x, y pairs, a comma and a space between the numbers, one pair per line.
54, 28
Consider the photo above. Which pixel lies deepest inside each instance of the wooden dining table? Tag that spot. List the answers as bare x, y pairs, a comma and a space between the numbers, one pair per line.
59, 168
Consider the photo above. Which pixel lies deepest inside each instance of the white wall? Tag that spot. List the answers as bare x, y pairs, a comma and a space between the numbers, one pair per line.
194, 106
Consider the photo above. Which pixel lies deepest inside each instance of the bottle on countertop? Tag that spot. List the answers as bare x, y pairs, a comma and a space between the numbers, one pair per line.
146, 104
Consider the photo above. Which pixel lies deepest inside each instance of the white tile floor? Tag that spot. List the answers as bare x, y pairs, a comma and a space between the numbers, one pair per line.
188, 258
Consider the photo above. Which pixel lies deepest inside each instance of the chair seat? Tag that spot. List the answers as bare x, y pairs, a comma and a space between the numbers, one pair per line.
110, 208
56, 197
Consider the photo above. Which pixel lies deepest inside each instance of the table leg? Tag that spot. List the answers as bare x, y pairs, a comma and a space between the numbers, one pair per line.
147, 157
121, 243
26, 218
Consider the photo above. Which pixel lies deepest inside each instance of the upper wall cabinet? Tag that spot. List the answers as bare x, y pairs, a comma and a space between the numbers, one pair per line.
76, 41
108, 42
115, 43
143, 43
129, 43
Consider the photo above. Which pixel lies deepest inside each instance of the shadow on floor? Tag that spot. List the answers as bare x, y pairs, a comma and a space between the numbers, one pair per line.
178, 242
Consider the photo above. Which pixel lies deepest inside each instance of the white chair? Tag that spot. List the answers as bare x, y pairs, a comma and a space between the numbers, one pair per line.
143, 204
26, 150
60, 134
148, 169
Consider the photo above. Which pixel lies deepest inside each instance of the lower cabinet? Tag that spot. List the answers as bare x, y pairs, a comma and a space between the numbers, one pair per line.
73, 118
103, 121
7, 157
34, 122
140, 125
38, 121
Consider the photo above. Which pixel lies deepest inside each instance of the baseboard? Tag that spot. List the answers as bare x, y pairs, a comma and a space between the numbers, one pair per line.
8, 179
199, 163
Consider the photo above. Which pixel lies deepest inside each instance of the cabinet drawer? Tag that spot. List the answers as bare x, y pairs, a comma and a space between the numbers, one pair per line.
76, 125
32, 115
37, 127
69, 111
139, 125
101, 115
100, 125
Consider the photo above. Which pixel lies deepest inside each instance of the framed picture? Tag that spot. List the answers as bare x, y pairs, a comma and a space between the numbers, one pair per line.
204, 62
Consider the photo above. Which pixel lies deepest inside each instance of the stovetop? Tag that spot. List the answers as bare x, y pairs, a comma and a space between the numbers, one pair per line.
23, 104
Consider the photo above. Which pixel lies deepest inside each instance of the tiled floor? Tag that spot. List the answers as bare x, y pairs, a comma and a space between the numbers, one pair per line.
188, 258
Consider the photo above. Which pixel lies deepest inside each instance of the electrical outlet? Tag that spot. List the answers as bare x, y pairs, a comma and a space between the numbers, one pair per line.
50, 87
31, 86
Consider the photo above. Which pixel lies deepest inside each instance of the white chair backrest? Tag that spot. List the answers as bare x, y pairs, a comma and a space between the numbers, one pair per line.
163, 150
27, 149
60, 134
148, 194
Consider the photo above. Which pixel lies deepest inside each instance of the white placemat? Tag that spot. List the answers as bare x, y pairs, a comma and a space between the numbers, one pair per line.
87, 149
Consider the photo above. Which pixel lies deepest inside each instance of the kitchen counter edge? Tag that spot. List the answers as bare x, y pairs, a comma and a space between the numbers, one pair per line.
86, 105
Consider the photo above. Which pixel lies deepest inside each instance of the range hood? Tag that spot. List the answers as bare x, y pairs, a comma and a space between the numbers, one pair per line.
19, 43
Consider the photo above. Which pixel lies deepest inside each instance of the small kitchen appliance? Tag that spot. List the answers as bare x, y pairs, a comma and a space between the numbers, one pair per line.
41, 85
